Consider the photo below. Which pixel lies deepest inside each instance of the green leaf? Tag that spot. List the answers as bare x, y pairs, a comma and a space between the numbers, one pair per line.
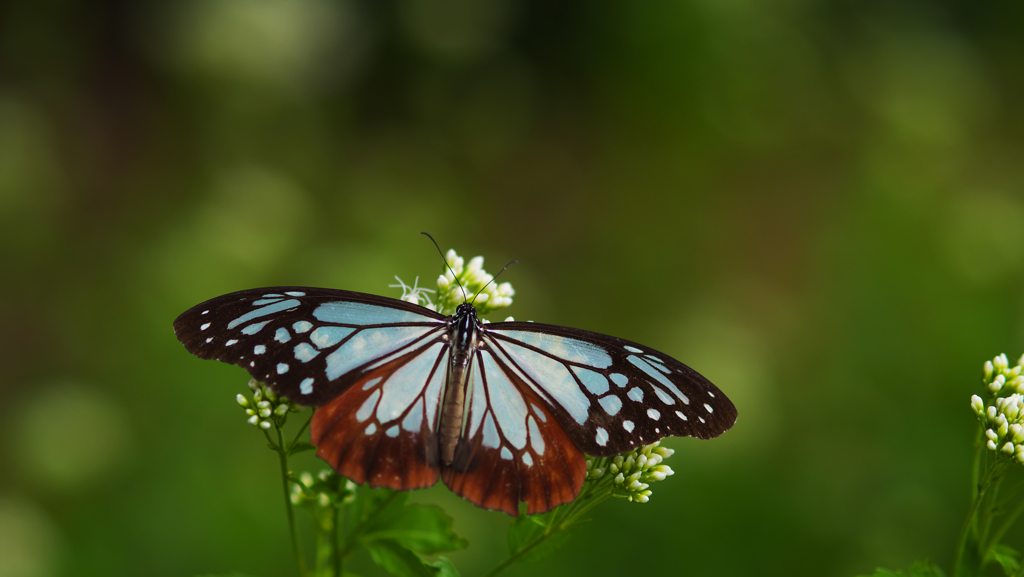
446, 568
421, 528
399, 561
1006, 557
300, 447
526, 537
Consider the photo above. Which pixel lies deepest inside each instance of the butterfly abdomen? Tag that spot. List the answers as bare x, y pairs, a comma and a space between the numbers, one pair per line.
463, 339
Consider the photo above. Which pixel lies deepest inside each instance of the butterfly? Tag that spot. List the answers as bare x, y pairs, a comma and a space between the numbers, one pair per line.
503, 413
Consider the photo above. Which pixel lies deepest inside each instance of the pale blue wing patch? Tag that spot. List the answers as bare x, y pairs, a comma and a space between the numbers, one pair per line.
352, 313
264, 311
368, 344
282, 335
506, 403
595, 382
406, 384
568, 349
660, 378
550, 377
327, 337
254, 328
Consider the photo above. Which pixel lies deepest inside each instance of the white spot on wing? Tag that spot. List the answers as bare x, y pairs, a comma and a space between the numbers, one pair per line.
295, 293
628, 425
392, 432
596, 383
209, 340
633, 349
282, 368
366, 409
536, 440
654, 414
506, 454
259, 349
371, 429
490, 432
708, 407
306, 386
204, 327
681, 416
282, 336
601, 437
301, 326
204, 312
305, 353
230, 342
254, 328
527, 460
611, 404
636, 393
619, 379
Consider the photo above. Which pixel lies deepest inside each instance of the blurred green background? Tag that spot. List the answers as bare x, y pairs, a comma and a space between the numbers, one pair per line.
818, 205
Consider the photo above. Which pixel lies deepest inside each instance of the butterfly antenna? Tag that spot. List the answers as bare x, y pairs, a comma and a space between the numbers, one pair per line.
448, 265
492, 280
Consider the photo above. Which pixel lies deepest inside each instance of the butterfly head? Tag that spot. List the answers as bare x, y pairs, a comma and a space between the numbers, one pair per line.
465, 309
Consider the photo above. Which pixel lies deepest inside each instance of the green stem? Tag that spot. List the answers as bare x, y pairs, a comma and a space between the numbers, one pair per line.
969, 522
295, 441
282, 454
989, 512
1009, 521
573, 511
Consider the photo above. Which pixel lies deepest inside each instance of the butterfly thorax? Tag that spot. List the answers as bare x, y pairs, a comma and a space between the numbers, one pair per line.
462, 338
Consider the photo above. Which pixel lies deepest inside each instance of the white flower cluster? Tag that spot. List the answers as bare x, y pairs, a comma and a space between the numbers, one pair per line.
1003, 420
999, 375
265, 406
472, 279
635, 471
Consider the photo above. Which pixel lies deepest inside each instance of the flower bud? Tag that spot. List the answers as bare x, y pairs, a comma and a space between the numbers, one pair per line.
242, 400
265, 425
989, 368
991, 445
253, 385
281, 410
253, 420
1008, 448
1000, 363
991, 435
977, 404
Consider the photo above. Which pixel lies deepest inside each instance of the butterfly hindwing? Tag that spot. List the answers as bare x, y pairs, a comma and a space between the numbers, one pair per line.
511, 449
308, 344
382, 429
611, 395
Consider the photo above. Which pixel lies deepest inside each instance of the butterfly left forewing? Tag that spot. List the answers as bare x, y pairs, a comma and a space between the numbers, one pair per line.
308, 344
382, 429
512, 449
611, 395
